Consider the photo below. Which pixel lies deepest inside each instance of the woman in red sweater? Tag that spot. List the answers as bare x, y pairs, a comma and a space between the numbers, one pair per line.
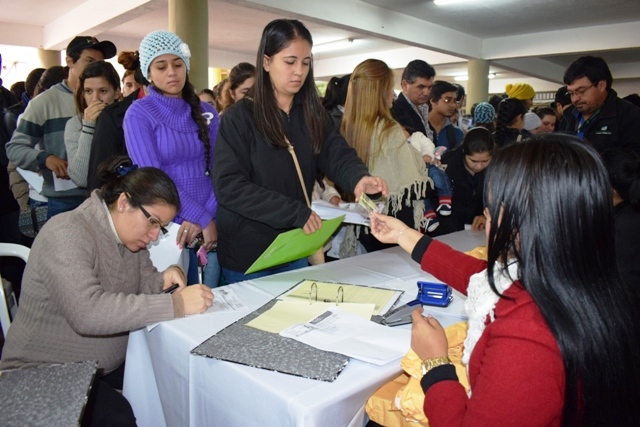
552, 335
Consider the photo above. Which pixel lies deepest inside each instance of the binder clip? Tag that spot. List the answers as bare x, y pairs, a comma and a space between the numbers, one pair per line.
429, 293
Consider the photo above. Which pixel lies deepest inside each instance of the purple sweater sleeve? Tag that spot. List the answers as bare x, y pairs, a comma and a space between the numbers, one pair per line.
141, 136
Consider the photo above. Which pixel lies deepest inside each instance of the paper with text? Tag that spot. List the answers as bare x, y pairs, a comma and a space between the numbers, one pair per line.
285, 314
341, 332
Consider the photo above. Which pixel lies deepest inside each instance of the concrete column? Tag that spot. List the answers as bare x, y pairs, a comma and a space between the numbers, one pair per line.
189, 19
478, 83
49, 58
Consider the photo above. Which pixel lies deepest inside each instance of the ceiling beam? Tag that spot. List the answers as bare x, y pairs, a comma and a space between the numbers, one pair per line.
93, 18
534, 67
375, 21
562, 42
20, 34
395, 59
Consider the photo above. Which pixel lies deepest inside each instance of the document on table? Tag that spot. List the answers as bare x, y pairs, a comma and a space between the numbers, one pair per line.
383, 299
293, 245
225, 299
341, 332
285, 314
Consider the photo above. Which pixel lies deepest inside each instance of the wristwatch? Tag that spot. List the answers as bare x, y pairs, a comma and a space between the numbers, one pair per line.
429, 364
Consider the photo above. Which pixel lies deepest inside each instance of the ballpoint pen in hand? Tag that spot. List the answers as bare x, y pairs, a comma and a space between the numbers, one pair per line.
170, 289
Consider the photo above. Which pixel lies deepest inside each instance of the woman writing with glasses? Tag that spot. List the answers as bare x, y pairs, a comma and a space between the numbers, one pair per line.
80, 300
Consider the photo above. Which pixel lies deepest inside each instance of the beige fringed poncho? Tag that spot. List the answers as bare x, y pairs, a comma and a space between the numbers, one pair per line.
402, 167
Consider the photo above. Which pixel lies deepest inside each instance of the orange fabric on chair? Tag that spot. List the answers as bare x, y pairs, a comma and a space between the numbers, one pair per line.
399, 402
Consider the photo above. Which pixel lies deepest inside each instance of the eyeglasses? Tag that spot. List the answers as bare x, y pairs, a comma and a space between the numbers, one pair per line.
155, 224
580, 91
449, 100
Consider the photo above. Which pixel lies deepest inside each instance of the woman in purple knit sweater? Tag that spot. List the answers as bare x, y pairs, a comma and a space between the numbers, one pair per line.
173, 131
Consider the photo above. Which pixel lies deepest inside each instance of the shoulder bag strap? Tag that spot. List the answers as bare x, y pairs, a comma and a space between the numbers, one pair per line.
295, 161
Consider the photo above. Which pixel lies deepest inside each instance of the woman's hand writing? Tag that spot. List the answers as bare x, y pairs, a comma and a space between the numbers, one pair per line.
196, 298
174, 274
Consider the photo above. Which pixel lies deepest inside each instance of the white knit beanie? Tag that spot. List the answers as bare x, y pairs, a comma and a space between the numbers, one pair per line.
159, 43
532, 121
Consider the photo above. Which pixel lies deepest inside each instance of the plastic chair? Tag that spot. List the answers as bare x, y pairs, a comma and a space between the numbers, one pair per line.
9, 249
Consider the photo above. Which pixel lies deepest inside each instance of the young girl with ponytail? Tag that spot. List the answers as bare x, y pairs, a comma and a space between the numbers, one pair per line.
173, 130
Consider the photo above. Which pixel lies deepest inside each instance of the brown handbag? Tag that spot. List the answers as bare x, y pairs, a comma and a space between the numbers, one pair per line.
318, 256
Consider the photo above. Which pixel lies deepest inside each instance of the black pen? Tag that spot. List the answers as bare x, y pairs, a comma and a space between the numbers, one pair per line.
170, 289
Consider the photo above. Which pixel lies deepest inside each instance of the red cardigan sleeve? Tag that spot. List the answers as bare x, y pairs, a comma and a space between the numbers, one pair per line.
452, 267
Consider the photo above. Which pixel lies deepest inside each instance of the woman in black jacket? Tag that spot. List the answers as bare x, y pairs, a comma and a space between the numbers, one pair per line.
466, 167
255, 179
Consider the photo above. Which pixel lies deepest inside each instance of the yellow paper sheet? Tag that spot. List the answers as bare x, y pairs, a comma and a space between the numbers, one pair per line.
285, 314
328, 292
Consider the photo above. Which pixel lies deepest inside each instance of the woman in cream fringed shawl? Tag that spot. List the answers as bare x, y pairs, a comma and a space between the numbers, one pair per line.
381, 143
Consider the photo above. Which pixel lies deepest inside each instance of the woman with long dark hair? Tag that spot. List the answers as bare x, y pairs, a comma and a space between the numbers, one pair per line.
553, 336
171, 129
466, 168
254, 174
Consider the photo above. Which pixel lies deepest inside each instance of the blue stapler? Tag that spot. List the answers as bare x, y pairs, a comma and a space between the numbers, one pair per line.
429, 293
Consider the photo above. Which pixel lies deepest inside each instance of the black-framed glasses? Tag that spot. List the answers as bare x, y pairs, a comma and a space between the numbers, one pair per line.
155, 224
580, 91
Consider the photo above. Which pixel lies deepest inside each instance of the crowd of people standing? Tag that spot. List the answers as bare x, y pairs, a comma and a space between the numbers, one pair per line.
233, 167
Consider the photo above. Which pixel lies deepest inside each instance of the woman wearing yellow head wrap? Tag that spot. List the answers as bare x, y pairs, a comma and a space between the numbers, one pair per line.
521, 91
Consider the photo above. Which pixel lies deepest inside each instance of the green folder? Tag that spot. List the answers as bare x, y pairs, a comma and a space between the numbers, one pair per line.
294, 244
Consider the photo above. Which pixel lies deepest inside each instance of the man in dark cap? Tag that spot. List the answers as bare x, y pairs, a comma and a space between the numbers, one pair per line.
43, 123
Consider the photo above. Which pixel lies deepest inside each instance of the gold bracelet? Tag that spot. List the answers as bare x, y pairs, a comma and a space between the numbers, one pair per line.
400, 234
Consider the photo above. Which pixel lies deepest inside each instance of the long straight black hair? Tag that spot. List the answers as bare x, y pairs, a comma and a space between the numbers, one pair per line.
551, 211
276, 36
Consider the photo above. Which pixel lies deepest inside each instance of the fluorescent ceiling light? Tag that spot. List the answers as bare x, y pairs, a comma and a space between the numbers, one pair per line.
446, 2
334, 45
464, 77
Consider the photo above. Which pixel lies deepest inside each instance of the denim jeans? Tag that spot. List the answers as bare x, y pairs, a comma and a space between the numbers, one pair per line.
441, 182
232, 276
58, 205
211, 272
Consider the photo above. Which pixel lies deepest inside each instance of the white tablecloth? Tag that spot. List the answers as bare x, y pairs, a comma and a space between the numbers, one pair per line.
166, 385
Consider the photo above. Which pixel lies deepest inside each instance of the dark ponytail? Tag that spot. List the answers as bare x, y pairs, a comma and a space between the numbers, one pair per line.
189, 95
145, 186
508, 110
